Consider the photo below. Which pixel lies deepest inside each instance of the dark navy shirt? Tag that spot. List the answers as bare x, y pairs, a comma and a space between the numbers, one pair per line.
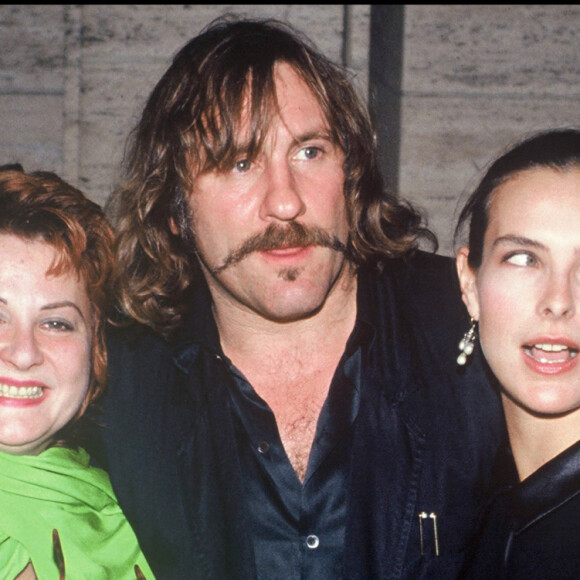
298, 528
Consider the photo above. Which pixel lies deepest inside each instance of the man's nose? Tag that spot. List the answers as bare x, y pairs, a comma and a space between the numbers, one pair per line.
282, 199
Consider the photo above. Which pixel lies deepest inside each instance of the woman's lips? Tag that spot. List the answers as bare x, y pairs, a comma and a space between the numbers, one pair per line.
17, 394
550, 357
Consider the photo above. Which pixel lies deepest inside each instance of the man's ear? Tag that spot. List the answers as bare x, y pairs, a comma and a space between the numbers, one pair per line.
173, 227
467, 282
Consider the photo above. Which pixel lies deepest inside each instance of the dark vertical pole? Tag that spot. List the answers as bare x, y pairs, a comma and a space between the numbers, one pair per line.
385, 85
346, 40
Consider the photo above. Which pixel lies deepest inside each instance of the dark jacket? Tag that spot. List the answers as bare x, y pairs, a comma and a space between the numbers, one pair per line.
532, 529
423, 442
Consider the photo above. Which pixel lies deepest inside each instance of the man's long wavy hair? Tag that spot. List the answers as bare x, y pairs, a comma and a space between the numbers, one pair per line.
40, 206
190, 124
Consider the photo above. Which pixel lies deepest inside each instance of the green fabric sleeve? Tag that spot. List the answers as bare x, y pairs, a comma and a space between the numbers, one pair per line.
13, 557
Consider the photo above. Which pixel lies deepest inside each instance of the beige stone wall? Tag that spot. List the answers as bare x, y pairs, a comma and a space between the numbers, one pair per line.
474, 78
75, 78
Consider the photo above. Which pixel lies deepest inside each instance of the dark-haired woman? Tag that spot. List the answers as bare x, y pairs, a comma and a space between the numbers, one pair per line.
520, 278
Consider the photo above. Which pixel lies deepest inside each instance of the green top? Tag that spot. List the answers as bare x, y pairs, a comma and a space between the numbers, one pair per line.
58, 489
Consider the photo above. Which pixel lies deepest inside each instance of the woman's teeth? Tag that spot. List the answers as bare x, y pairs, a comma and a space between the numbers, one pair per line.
551, 353
12, 392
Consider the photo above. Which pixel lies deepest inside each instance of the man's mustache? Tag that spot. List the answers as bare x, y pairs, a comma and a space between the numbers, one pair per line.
274, 237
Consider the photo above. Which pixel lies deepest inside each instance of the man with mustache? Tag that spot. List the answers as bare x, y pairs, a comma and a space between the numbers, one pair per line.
287, 405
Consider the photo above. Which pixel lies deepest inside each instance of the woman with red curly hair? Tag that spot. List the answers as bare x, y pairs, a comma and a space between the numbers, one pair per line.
59, 515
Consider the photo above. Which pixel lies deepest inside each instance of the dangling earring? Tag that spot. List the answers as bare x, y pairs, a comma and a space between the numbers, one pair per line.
467, 343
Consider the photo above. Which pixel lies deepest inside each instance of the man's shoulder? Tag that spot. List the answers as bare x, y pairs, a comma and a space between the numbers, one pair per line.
429, 267
141, 375
421, 275
431, 289
425, 291
133, 336
135, 348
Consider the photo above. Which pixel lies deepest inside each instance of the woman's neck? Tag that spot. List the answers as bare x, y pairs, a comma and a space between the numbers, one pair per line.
536, 439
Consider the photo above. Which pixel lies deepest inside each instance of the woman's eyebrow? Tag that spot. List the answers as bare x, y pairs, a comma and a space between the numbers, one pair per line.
62, 304
518, 240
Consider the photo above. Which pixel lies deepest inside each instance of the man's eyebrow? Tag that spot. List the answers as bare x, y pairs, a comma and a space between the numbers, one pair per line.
518, 240
322, 134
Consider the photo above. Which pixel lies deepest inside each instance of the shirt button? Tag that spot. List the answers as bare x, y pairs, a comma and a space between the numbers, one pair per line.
312, 541
263, 447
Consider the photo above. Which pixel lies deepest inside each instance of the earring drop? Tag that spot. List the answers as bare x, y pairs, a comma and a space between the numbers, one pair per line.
467, 343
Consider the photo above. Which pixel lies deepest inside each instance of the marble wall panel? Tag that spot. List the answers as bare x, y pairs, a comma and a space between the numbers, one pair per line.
447, 146
494, 49
80, 73
474, 78
32, 85
31, 131
126, 49
33, 49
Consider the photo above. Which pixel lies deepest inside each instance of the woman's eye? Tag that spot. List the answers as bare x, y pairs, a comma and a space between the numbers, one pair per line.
522, 259
58, 325
243, 165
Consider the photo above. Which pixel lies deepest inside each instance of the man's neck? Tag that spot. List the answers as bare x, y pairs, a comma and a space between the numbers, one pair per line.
246, 334
290, 365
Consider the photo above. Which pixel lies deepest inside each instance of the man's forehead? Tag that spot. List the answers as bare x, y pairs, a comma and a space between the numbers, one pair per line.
289, 99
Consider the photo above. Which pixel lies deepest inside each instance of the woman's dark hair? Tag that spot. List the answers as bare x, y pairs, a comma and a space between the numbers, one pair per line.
557, 149
190, 124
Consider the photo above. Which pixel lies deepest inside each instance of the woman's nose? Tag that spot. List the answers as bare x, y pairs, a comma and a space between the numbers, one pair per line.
19, 348
559, 298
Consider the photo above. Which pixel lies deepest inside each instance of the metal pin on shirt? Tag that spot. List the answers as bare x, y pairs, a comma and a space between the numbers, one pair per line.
432, 516
422, 516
